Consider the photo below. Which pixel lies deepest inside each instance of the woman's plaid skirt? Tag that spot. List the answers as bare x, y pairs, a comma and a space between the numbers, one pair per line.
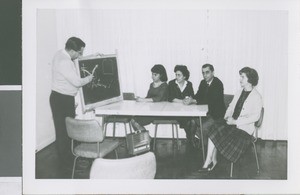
230, 141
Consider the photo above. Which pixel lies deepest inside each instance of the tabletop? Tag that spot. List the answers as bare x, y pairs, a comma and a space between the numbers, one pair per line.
133, 108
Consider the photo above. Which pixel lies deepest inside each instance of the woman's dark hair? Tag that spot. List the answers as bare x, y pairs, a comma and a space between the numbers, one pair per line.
160, 69
251, 75
183, 69
74, 43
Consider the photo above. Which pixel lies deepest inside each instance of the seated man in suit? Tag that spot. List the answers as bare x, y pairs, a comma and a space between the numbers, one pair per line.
210, 92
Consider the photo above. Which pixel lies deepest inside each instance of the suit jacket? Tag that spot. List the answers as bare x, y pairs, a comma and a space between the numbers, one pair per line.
212, 95
174, 91
250, 112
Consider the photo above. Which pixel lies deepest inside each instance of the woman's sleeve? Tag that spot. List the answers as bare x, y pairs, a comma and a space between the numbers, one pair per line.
254, 113
191, 90
199, 95
162, 94
171, 92
148, 93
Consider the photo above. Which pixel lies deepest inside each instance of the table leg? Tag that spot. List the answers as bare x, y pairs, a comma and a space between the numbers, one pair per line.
202, 143
114, 126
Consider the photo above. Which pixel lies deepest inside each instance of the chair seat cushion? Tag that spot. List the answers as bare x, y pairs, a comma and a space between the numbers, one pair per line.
165, 122
137, 167
117, 119
89, 150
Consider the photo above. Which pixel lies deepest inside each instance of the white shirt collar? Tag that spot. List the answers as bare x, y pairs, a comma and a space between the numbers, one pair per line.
183, 87
66, 53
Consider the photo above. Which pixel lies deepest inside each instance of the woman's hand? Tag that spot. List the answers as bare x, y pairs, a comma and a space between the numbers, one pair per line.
231, 121
187, 100
139, 99
177, 100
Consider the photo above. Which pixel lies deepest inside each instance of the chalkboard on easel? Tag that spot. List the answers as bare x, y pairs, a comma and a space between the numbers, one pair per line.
105, 87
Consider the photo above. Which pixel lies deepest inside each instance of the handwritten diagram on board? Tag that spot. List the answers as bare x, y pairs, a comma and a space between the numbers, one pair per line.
105, 84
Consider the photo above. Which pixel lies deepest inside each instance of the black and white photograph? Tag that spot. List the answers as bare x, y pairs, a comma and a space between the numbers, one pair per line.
158, 94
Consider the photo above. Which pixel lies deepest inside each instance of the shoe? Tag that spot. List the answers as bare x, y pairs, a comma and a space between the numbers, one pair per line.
214, 164
209, 168
204, 170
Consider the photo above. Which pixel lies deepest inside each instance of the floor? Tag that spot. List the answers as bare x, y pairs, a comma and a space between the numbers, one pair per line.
184, 163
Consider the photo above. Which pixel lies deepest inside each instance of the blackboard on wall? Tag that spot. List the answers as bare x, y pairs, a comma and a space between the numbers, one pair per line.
105, 87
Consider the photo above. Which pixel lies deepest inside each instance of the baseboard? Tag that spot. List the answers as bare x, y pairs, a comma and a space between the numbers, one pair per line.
45, 143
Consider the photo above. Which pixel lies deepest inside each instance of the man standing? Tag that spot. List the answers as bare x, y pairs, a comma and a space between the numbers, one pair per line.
65, 85
210, 92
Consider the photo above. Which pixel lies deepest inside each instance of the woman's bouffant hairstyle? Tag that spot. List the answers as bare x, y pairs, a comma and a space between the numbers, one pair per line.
183, 69
74, 43
160, 69
251, 75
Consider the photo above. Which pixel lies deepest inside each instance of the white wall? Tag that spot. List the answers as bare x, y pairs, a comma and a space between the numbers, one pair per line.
227, 39
46, 47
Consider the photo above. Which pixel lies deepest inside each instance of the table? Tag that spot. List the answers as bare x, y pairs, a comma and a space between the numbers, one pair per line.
133, 108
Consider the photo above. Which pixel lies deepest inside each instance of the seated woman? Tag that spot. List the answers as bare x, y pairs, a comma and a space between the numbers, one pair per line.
232, 136
179, 89
158, 92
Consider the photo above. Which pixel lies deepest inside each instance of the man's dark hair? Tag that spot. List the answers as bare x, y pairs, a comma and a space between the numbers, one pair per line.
211, 67
251, 74
74, 43
183, 69
160, 69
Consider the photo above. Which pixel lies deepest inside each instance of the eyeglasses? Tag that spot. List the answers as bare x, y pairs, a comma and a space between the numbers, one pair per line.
206, 72
79, 52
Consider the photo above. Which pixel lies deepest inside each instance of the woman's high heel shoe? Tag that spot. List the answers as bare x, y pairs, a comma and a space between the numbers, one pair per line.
209, 168
213, 166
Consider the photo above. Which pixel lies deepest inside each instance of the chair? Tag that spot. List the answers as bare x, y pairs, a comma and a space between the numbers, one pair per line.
174, 123
227, 100
91, 140
119, 119
137, 167
254, 139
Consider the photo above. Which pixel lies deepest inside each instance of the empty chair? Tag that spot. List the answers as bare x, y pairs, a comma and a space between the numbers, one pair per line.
174, 124
137, 167
91, 140
227, 99
119, 119
254, 139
